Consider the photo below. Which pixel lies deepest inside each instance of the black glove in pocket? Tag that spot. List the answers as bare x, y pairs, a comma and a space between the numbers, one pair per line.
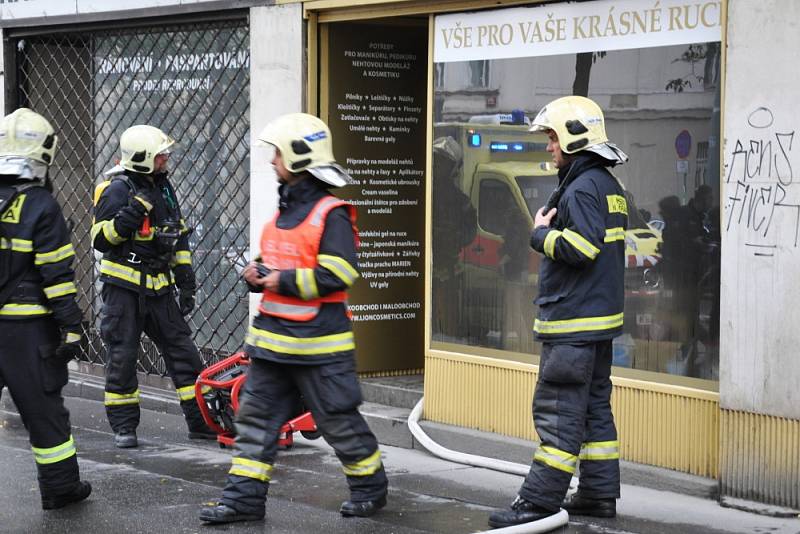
55, 374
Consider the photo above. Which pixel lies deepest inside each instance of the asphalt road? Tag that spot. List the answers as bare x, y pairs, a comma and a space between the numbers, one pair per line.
160, 486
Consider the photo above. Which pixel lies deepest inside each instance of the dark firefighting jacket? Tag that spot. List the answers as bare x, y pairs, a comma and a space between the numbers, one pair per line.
128, 253
328, 336
581, 279
36, 258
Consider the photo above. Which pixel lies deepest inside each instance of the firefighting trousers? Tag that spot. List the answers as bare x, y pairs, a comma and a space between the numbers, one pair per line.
270, 398
34, 377
121, 326
572, 415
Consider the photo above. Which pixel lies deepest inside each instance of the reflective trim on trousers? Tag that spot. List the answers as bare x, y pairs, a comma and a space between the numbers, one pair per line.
251, 469
368, 466
600, 450
555, 458
55, 454
188, 392
119, 399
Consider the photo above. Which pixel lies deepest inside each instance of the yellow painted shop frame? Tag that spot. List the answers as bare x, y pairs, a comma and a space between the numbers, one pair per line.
663, 420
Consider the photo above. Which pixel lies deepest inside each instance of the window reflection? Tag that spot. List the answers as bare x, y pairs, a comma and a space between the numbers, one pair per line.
491, 176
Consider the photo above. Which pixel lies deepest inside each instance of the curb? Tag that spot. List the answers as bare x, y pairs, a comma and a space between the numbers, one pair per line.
521, 451
389, 425
91, 387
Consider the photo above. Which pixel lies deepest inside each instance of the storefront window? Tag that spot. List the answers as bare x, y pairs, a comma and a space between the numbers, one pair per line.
491, 176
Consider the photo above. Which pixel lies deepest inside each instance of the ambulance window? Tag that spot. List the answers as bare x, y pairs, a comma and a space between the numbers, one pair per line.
536, 190
495, 201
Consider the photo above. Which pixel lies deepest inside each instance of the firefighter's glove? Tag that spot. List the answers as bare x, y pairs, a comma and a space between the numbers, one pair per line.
185, 301
141, 201
70, 346
184, 278
131, 216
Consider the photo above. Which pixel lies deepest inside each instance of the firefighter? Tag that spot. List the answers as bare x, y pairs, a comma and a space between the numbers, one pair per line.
145, 244
301, 342
40, 322
581, 232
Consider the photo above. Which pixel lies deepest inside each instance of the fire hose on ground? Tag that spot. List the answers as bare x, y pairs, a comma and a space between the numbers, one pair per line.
543, 525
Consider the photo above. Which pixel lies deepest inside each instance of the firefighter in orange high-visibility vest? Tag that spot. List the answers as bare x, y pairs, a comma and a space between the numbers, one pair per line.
301, 342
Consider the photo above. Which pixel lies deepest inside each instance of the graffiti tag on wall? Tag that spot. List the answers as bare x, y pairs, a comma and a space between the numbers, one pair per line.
760, 185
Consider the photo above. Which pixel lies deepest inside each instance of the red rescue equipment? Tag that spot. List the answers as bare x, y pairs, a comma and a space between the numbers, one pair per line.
217, 392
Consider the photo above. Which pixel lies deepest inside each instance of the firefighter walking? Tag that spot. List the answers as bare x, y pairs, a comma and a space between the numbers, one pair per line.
581, 233
301, 342
40, 322
145, 244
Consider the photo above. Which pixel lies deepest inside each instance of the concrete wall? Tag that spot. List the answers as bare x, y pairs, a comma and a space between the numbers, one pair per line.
760, 316
277, 70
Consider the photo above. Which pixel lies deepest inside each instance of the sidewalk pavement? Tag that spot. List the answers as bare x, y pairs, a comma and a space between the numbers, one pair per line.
160, 486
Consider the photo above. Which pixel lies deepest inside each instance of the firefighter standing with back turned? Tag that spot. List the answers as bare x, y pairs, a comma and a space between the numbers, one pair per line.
301, 343
145, 243
40, 322
581, 232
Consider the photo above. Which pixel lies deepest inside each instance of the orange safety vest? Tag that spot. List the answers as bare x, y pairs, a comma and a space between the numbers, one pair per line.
298, 248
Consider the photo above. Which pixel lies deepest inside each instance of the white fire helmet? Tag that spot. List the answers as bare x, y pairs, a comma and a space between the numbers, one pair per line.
579, 124
139, 145
27, 144
305, 145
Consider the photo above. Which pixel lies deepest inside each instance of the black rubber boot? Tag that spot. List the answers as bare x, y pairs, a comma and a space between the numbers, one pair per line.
576, 504
81, 491
126, 439
362, 508
220, 513
198, 429
520, 512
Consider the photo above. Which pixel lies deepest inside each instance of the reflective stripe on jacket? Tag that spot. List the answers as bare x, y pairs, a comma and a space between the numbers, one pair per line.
36, 257
126, 254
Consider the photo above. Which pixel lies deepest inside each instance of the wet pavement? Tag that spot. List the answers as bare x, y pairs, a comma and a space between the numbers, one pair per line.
160, 486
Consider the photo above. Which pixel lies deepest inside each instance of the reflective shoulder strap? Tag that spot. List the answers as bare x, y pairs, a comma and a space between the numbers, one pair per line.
323, 207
